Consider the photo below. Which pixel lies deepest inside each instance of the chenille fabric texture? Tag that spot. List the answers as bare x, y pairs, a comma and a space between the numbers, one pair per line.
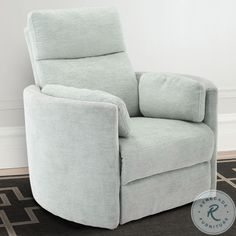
87, 95
160, 95
107, 145
84, 49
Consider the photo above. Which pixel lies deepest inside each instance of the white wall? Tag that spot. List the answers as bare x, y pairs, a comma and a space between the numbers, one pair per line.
187, 36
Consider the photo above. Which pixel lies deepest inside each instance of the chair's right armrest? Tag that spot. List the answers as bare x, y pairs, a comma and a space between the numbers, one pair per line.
211, 102
210, 117
73, 156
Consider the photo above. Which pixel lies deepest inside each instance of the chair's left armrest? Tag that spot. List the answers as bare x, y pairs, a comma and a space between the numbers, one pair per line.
73, 156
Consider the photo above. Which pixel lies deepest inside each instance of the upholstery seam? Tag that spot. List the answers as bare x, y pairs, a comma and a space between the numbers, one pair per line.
34, 56
199, 104
177, 169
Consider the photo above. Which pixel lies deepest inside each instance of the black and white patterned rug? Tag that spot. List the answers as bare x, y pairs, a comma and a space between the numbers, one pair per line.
20, 215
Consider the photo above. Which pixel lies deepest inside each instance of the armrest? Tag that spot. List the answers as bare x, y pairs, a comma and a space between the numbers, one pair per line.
211, 102
210, 117
88, 95
170, 96
73, 153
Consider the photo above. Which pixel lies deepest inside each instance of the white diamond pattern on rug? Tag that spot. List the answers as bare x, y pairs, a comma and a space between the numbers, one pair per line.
4, 202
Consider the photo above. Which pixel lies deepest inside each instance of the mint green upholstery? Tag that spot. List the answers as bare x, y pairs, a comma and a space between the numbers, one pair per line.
160, 95
82, 48
73, 157
87, 95
164, 191
76, 112
151, 147
75, 33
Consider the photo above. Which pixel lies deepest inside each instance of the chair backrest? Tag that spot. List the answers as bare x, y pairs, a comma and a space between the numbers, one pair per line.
81, 48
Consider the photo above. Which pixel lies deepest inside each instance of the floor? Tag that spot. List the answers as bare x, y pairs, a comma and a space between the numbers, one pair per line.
20, 215
226, 155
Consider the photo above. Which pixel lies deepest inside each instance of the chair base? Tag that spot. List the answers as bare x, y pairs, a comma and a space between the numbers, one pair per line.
150, 195
164, 191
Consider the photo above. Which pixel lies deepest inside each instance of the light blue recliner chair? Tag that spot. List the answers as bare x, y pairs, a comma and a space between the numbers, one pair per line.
107, 145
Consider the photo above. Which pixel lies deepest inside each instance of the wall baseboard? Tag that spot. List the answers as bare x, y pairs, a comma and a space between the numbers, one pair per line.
13, 146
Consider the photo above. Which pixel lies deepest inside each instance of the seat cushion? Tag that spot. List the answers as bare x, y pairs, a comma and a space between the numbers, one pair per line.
93, 96
171, 96
160, 145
